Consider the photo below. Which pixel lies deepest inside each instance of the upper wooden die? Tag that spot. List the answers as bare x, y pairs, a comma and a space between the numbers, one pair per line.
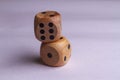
47, 26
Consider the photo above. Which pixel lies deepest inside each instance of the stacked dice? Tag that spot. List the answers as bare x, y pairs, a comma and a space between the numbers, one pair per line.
55, 49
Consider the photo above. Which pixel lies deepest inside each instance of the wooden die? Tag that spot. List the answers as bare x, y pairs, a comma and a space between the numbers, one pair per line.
47, 26
56, 53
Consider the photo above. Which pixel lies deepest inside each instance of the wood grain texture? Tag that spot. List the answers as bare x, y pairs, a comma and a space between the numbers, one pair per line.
47, 26
56, 53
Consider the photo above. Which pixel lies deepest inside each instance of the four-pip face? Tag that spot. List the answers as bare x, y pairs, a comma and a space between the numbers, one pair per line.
47, 26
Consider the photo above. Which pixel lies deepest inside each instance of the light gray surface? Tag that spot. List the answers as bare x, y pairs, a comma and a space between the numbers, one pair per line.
92, 26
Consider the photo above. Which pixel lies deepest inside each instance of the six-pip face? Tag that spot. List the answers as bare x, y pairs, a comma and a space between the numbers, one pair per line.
47, 27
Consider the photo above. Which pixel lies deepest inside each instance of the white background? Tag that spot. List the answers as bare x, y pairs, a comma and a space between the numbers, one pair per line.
92, 27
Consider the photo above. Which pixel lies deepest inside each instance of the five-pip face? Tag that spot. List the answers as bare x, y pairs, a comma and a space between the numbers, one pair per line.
47, 26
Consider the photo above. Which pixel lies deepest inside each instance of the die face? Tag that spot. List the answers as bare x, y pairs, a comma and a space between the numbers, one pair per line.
65, 51
48, 14
47, 29
60, 51
49, 55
